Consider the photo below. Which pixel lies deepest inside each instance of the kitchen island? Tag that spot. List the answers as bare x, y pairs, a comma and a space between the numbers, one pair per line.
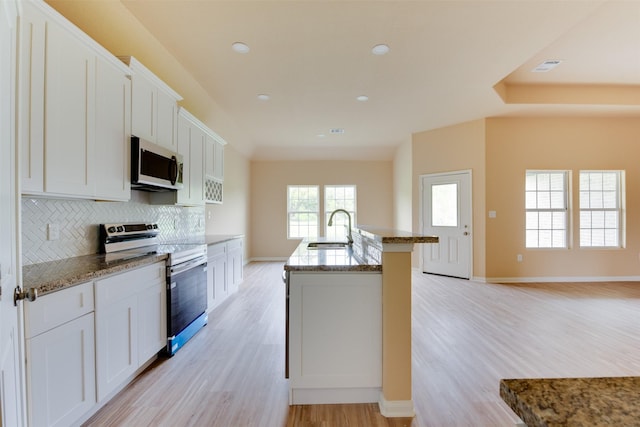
358, 347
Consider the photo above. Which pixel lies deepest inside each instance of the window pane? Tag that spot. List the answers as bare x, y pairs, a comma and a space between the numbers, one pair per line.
531, 200
557, 182
444, 205
544, 200
532, 220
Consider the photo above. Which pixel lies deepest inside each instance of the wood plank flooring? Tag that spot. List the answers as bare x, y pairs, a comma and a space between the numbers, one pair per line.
466, 337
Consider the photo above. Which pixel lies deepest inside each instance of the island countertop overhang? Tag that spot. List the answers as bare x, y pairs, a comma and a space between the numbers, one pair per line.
365, 255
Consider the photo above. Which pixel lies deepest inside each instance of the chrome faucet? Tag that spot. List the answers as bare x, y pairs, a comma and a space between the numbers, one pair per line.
349, 238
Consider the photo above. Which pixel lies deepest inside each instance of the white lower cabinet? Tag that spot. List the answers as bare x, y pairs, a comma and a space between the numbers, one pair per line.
224, 270
235, 260
217, 289
60, 356
130, 324
335, 337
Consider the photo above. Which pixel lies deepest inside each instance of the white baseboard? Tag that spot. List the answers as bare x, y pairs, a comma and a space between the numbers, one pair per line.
268, 259
396, 408
567, 279
323, 396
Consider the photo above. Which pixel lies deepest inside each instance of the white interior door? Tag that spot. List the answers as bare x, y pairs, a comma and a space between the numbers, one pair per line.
446, 213
11, 396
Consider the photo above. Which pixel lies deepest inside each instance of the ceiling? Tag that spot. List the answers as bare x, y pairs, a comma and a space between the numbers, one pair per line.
450, 61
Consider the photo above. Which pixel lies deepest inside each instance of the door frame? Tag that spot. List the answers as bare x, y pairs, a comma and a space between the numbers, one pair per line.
421, 178
12, 274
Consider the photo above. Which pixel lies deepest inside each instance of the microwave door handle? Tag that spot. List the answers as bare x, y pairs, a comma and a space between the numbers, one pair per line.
173, 170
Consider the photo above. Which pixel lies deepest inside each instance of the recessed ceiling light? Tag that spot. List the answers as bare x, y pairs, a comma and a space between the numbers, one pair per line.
263, 97
240, 47
380, 49
546, 66
321, 135
337, 131
362, 98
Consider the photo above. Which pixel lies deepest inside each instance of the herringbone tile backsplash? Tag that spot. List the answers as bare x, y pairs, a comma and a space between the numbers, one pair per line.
78, 222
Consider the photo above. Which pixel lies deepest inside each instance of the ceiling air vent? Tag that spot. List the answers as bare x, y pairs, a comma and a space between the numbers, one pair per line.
336, 131
546, 66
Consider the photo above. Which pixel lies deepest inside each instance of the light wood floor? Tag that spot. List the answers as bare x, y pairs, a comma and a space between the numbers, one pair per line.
466, 337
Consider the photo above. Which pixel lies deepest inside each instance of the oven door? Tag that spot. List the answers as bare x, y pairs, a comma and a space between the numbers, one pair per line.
186, 294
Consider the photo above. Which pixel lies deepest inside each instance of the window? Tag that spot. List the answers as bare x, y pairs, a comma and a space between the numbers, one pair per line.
303, 211
546, 204
601, 208
339, 197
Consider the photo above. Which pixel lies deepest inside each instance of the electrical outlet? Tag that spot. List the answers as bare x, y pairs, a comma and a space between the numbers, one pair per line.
519, 257
53, 231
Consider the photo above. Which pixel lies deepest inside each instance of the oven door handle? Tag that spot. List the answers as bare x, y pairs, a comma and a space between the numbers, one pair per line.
188, 265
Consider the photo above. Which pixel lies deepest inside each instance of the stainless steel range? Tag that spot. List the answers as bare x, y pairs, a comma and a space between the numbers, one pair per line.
186, 275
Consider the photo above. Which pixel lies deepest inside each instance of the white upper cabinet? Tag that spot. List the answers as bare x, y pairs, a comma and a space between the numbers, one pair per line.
214, 167
113, 135
154, 106
191, 133
65, 99
69, 119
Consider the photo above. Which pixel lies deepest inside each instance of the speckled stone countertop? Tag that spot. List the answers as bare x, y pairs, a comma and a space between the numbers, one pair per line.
362, 259
53, 276
389, 235
305, 259
548, 402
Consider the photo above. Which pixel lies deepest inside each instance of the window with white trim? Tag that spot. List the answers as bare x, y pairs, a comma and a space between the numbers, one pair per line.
303, 211
601, 208
547, 209
339, 197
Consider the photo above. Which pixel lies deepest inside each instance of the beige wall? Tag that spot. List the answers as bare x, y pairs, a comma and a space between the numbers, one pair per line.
269, 180
514, 145
232, 217
454, 148
402, 187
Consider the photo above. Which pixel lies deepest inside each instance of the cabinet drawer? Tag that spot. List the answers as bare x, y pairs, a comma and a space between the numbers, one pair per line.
50, 311
120, 286
216, 249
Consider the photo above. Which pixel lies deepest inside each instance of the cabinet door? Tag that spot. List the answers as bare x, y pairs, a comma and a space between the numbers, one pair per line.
113, 135
143, 110
61, 373
214, 158
69, 115
152, 321
196, 160
116, 343
30, 96
166, 119
235, 264
191, 146
216, 275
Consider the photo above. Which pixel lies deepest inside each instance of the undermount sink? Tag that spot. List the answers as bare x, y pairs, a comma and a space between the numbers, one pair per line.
327, 245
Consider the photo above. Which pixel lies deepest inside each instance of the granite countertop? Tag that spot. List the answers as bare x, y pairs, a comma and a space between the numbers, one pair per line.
48, 277
53, 276
305, 259
390, 235
612, 401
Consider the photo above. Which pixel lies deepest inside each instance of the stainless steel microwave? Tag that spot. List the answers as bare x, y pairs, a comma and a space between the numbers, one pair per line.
154, 168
